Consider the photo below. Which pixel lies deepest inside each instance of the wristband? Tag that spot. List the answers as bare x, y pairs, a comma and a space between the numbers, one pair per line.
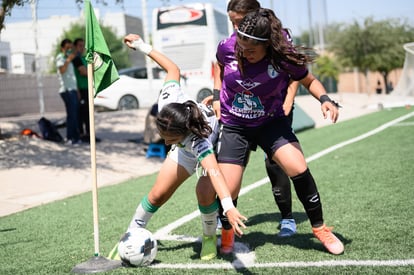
139, 44
326, 98
216, 94
227, 204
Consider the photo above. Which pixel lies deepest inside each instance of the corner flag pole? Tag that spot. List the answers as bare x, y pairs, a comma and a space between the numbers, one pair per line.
97, 263
93, 158
106, 74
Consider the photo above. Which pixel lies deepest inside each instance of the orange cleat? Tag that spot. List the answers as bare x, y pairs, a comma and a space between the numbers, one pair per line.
328, 239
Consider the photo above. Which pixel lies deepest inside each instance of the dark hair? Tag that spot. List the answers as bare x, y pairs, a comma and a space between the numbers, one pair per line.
64, 42
182, 119
263, 23
77, 40
243, 6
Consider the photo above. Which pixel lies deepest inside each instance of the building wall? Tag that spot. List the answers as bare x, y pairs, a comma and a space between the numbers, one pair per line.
20, 35
23, 63
357, 82
5, 59
19, 95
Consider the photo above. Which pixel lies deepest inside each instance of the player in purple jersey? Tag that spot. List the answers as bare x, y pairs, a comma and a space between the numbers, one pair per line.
191, 129
253, 90
280, 182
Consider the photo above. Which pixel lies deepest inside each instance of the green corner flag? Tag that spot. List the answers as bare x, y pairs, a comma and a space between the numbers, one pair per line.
97, 52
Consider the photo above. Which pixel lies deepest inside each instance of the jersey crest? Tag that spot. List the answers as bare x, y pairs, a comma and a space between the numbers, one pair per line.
271, 71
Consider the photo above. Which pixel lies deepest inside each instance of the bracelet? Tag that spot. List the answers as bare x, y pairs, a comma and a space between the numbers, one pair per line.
227, 204
216, 94
326, 98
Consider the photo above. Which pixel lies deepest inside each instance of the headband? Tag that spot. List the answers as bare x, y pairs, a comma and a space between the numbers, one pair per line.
251, 36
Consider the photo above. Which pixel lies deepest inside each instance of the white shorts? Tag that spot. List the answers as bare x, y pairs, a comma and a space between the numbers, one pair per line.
183, 158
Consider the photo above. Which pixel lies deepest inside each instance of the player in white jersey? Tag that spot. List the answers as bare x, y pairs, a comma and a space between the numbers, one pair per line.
191, 129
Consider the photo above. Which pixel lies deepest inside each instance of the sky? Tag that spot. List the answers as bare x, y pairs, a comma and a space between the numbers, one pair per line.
293, 13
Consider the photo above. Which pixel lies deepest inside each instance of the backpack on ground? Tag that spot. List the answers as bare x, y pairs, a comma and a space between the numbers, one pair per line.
49, 130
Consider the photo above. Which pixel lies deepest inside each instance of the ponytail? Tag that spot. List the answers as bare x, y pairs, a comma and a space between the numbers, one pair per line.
181, 119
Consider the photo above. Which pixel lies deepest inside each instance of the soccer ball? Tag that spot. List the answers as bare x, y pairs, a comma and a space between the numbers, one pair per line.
137, 247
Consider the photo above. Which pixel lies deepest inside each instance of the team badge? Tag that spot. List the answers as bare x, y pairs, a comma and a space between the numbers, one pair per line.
272, 72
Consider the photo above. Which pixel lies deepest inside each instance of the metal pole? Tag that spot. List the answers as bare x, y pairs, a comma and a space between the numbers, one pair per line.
311, 40
38, 72
147, 40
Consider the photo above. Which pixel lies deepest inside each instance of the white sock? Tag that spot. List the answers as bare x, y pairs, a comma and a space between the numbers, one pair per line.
209, 223
140, 218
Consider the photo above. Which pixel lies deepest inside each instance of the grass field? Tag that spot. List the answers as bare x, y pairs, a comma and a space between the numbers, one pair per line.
364, 170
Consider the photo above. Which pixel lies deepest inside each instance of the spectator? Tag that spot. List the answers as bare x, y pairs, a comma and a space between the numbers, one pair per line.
68, 90
379, 88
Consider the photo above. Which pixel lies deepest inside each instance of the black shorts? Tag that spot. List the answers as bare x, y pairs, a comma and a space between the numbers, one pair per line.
235, 142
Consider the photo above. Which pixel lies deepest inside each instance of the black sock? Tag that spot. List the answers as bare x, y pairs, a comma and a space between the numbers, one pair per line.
308, 194
280, 188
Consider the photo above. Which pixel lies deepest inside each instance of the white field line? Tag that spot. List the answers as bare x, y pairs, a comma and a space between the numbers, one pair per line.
358, 138
396, 263
242, 261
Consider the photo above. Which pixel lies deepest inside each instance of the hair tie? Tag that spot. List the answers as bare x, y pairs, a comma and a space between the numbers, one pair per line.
251, 36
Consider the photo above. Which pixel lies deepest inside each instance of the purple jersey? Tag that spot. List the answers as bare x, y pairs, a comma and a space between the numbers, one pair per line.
256, 97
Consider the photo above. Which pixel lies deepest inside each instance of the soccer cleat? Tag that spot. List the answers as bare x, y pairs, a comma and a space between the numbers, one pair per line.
328, 239
227, 241
208, 248
287, 228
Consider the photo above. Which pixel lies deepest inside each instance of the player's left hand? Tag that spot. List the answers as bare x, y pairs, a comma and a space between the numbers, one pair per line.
333, 110
236, 220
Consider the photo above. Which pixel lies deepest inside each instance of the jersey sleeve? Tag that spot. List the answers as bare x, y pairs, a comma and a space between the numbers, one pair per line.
60, 60
171, 92
201, 147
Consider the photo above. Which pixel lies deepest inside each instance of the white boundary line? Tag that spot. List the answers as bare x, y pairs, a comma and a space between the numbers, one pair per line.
243, 262
290, 264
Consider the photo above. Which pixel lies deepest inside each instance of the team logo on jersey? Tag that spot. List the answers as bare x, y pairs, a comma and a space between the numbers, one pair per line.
246, 102
248, 84
272, 72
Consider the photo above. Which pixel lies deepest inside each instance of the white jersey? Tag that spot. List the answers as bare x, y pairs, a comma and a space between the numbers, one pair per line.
192, 149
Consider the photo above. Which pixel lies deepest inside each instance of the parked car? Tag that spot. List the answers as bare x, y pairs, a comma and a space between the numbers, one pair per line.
133, 90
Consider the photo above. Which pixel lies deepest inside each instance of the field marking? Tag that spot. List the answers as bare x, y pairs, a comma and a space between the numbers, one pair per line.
404, 124
332, 263
358, 138
245, 258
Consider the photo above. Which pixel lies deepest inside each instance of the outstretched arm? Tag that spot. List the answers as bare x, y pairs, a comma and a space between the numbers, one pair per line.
134, 41
210, 165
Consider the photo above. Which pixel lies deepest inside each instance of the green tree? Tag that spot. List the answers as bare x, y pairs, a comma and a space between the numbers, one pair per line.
327, 70
6, 7
371, 46
118, 51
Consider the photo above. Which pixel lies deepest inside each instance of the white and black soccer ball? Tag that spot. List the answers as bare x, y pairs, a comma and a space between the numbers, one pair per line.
137, 247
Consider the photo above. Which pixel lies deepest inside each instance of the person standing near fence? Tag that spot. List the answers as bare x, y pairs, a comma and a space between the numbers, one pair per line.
69, 90
81, 72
